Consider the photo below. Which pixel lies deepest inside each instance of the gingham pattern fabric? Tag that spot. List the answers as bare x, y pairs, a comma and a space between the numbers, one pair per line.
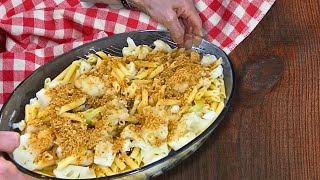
39, 30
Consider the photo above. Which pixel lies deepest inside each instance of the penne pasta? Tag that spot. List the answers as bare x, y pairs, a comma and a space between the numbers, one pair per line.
65, 162
119, 73
223, 91
156, 72
214, 105
132, 90
168, 102
28, 113
123, 69
103, 55
72, 105
114, 168
146, 64
106, 170
62, 74
121, 165
72, 116
92, 58
135, 152
130, 162
212, 93
219, 108
135, 104
144, 100
46, 82
142, 81
216, 63
144, 74
214, 98
115, 75
192, 95
138, 159
116, 86
71, 72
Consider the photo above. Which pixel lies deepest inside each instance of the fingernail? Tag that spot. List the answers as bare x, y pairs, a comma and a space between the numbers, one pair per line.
188, 44
180, 45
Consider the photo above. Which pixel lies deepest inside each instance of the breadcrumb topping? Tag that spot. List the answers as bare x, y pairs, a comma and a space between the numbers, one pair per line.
133, 105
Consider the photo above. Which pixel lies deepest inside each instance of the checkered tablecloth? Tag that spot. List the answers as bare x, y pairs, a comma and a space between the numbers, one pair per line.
38, 30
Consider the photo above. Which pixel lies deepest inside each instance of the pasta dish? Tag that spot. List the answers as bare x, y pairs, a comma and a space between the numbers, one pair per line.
105, 115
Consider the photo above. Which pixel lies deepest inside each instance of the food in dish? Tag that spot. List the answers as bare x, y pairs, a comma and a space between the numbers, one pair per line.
105, 115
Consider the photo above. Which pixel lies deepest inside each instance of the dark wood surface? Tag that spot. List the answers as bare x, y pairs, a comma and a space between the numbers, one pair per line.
272, 130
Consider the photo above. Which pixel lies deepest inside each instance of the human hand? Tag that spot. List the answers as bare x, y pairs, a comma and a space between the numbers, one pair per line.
179, 16
9, 141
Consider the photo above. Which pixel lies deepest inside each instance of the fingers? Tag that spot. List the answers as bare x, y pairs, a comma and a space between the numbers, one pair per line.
196, 25
193, 22
179, 16
9, 141
9, 172
176, 28
188, 36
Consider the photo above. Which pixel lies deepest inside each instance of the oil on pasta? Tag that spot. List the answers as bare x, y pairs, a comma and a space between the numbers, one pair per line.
105, 115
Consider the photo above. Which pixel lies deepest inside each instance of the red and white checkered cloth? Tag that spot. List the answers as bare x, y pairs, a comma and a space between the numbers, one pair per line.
38, 30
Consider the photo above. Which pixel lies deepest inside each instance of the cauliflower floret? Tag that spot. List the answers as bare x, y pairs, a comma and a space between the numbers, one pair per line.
103, 153
86, 159
127, 145
161, 132
128, 133
43, 99
127, 51
195, 123
181, 141
91, 85
75, 172
20, 125
24, 154
84, 67
132, 69
208, 59
54, 83
140, 51
181, 87
31, 128
206, 83
117, 115
151, 154
59, 152
216, 72
175, 109
161, 46
209, 115
34, 101
189, 126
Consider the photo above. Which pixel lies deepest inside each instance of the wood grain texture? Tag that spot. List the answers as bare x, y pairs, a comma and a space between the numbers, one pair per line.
272, 130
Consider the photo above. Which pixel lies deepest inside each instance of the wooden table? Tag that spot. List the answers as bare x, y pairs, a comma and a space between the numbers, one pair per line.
272, 130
